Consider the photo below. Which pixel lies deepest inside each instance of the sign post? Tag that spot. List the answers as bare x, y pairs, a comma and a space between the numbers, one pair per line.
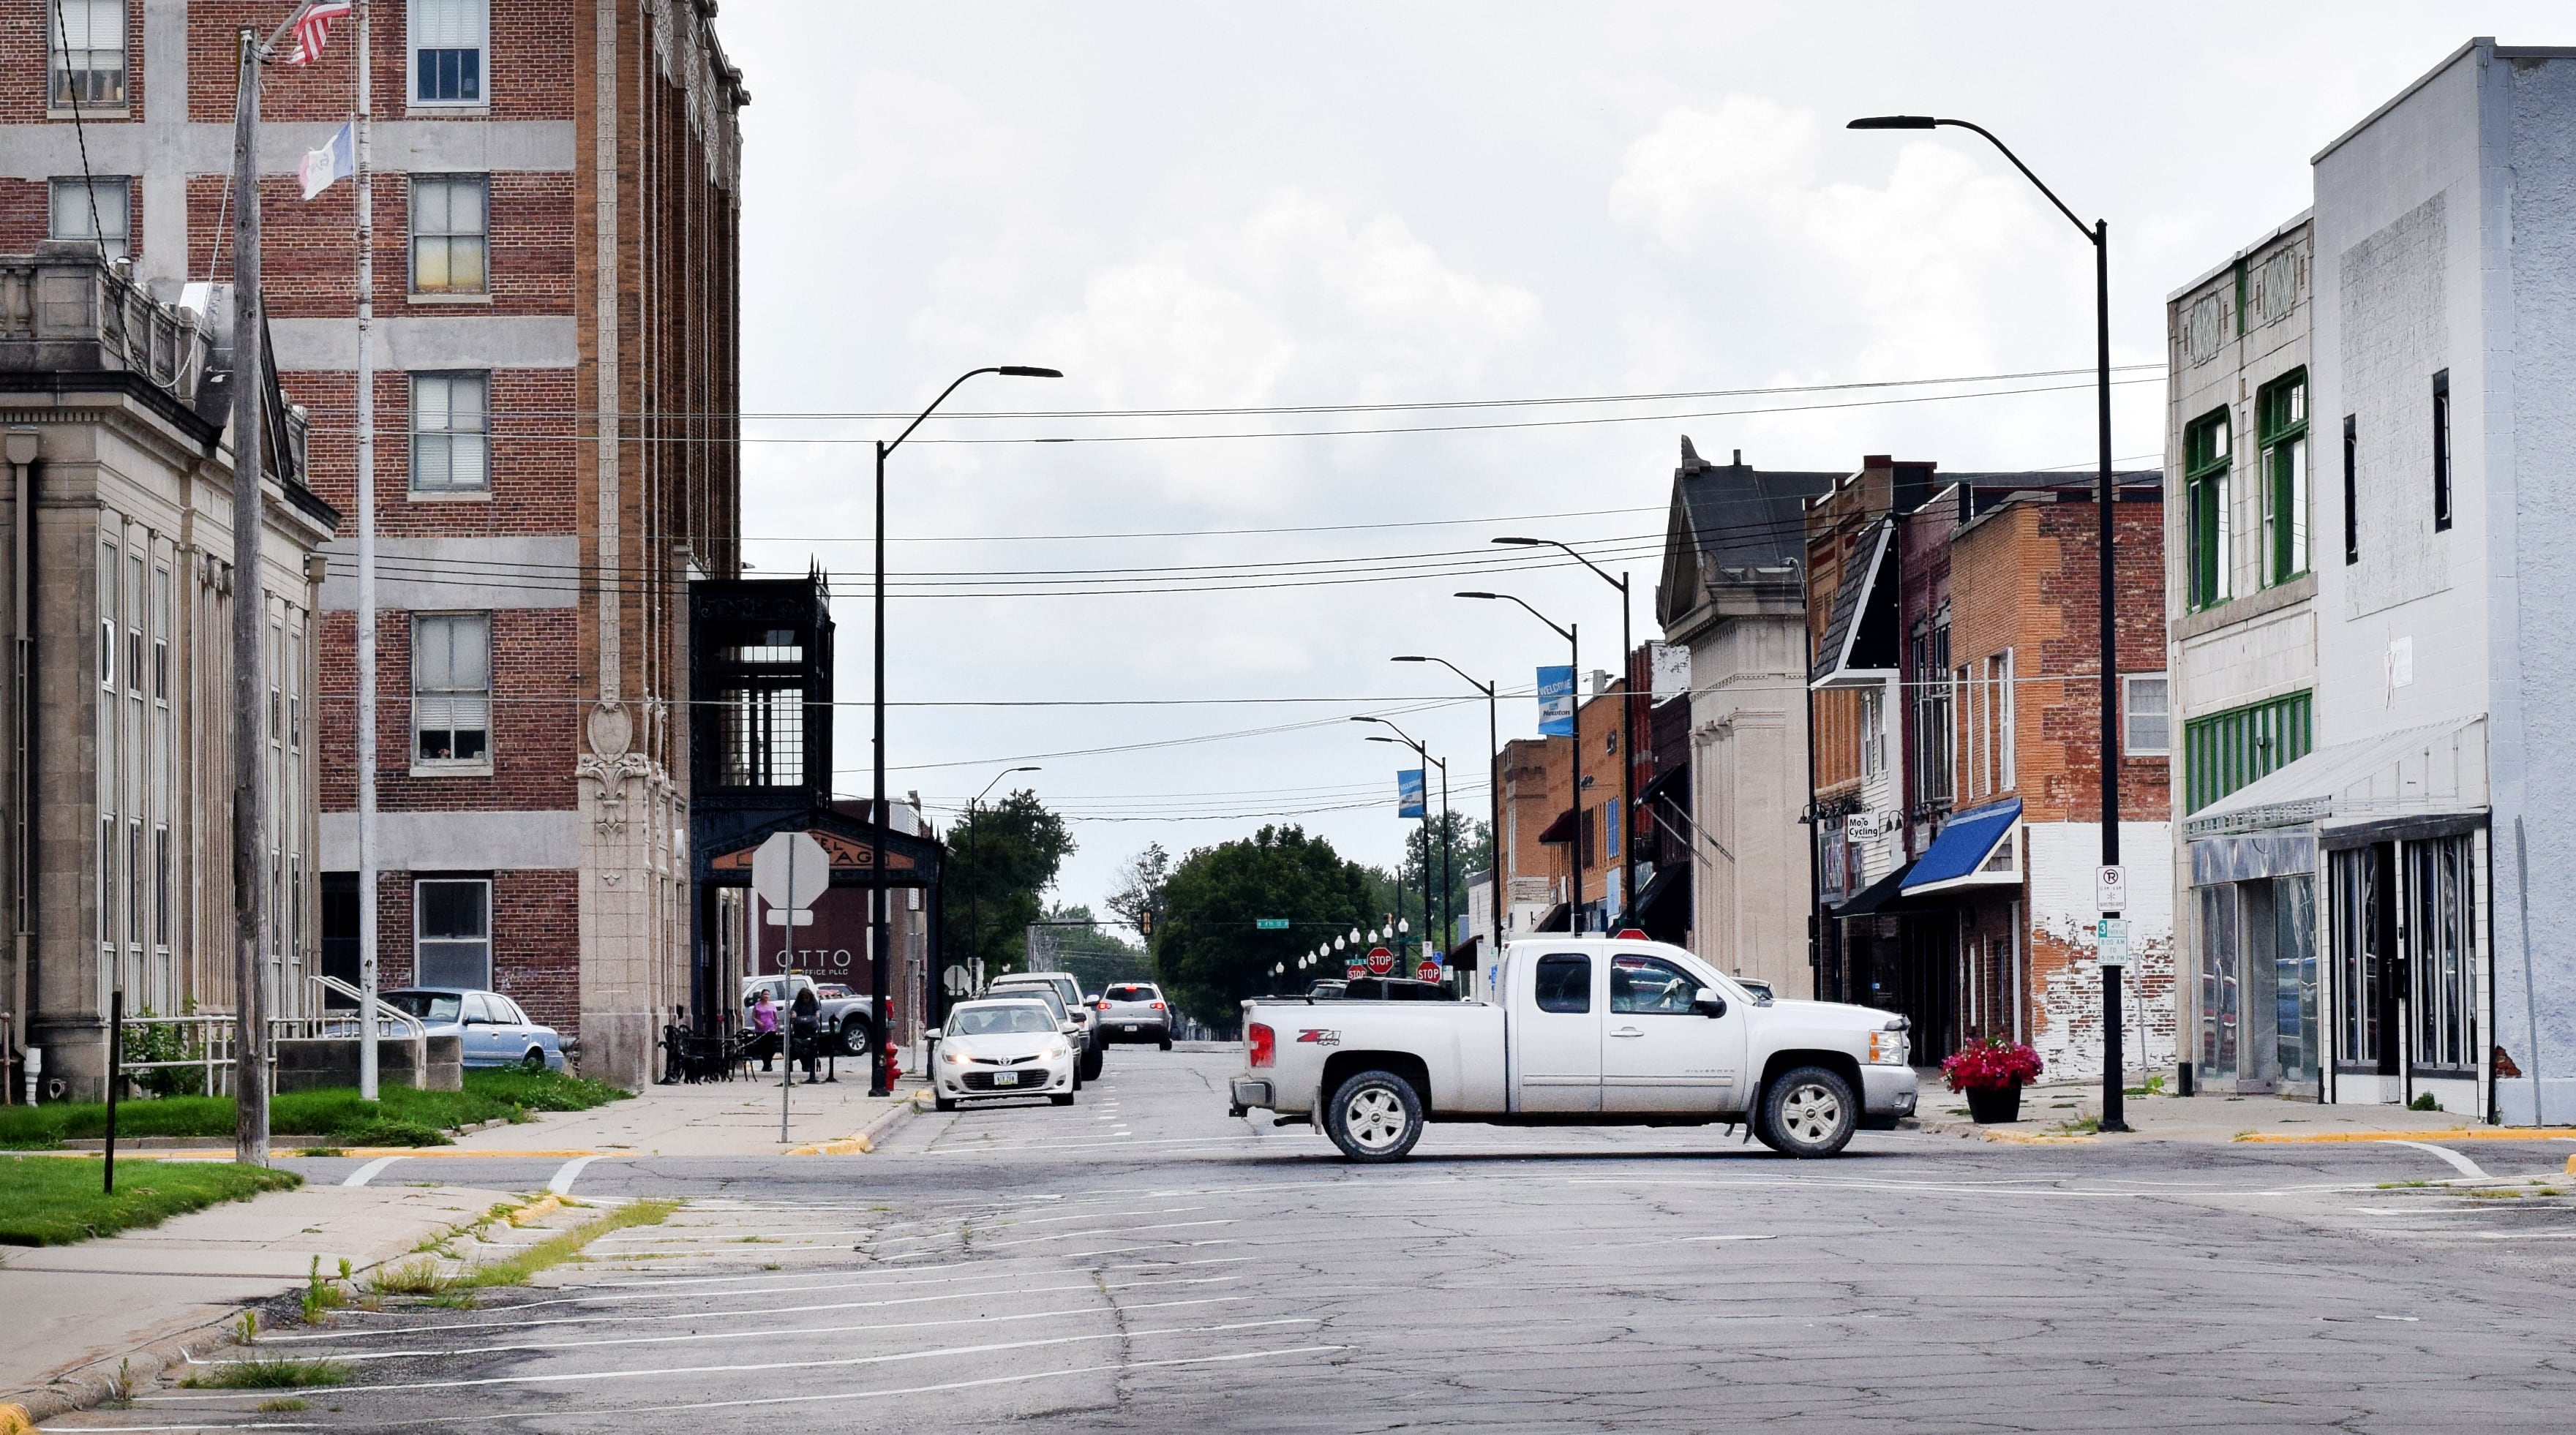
788, 865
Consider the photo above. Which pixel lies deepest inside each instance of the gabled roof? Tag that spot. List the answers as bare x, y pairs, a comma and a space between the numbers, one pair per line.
1731, 519
1860, 634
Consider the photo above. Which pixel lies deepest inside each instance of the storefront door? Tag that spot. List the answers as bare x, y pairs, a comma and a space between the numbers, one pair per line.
2258, 985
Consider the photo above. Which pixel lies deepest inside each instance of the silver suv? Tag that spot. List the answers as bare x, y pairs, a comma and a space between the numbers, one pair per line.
1068, 993
1134, 1011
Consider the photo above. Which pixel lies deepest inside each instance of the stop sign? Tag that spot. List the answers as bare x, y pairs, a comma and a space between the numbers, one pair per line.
1355, 971
1428, 971
1381, 961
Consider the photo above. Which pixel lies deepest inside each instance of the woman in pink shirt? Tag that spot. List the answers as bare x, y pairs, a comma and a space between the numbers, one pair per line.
764, 1020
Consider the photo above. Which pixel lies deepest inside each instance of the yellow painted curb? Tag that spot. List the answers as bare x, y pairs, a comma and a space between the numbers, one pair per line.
2032, 1138
845, 1146
2478, 1133
2571, 1165
534, 1209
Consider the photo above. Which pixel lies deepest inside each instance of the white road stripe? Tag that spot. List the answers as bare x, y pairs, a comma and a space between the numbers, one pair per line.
371, 1170
561, 1185
938, 1353
2459, 1163
1102, 1231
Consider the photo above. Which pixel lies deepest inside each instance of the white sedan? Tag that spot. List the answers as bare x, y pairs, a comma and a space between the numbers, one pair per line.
1010, 1047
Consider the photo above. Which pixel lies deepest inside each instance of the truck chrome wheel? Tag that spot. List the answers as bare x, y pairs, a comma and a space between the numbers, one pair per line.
1809, 1112
1375, 1116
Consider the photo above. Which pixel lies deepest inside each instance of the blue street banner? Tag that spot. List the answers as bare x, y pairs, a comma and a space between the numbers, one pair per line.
1556, 701
1408, 792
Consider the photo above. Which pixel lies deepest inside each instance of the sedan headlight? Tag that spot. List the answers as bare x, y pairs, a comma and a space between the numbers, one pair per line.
949, 1055
1059, 1051
1887, 1048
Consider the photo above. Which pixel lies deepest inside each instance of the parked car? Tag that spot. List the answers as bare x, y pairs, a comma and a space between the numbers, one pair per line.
1587, 1031
490, 1028
1134, 1011
1007, 1047
841, 1020
1068, 992
1328, 990
1045, 995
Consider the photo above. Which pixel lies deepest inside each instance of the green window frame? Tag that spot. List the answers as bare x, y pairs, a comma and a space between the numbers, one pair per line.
2205, 474
2224, 751
2281, 428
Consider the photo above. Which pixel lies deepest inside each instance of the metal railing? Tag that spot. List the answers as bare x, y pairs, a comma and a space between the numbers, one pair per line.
207, 1038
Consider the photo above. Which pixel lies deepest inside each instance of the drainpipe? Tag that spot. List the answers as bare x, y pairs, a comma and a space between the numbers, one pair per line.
21, 447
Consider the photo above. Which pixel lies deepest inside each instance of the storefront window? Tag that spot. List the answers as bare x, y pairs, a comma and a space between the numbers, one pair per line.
2441, 940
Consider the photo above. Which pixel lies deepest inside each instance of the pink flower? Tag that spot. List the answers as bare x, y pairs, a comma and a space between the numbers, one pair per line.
1993, 1064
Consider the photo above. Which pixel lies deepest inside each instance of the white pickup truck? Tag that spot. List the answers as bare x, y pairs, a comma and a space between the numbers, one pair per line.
1584, 1031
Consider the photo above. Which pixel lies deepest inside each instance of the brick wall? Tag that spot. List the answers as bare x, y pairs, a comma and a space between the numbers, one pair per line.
536, 686
531, 74
535, 450
26, 35
536, 948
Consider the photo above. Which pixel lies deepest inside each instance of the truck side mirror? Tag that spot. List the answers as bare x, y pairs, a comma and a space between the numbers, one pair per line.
1709, 1002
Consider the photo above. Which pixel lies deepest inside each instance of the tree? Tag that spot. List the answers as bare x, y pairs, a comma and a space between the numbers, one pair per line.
1140, 889
1470, 849
1096, 956
1206, 948
1000, 859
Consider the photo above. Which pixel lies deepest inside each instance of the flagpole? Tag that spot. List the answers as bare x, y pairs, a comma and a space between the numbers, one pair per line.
366, 484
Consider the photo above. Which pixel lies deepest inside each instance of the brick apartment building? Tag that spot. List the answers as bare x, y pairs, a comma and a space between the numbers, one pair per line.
556, 360
1958, 779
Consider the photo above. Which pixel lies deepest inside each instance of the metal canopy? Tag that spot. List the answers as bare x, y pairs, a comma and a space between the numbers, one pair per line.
910, 861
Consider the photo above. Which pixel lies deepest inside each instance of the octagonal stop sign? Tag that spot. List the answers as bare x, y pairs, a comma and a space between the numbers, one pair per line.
790, 870
1380, 961
1428, 971
1354, 972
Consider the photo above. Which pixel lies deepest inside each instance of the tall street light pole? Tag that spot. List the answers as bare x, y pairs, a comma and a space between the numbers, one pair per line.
1574, 719
930, 1004
1404, 739
2114, 1113
1627, 724
880, 968
1494, 781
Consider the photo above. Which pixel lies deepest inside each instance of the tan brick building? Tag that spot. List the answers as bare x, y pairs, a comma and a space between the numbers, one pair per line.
556, 212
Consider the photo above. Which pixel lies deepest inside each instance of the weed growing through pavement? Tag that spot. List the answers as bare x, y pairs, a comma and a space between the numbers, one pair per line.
282, 1405
413, 1277
321, 1295
264, 1373
120, 1387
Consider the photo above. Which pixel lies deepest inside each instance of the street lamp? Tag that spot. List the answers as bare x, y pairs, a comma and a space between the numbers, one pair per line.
1627, 723
1429, 762
930, 1004
1494, 782
1574, 723
880, 969
2114, 1114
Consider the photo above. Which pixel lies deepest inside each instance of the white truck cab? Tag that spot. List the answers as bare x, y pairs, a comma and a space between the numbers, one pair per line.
1580, 1031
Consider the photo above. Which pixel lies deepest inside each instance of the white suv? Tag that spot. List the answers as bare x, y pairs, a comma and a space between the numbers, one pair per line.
1134, 1011
1069, 992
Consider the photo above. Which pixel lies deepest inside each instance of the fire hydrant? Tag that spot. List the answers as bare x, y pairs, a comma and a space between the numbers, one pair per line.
894, 1064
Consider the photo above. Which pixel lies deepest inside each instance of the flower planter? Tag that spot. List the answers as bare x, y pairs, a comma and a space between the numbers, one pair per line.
1988, 1106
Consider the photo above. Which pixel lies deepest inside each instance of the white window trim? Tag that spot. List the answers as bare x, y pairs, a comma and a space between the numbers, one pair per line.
2128, 686
491, 921
411, 69
470, 767
414, 433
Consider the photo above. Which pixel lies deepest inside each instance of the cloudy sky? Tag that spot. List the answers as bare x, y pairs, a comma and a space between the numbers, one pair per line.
1327, 206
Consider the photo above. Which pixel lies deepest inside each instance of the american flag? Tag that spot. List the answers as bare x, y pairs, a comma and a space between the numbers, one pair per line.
312, 28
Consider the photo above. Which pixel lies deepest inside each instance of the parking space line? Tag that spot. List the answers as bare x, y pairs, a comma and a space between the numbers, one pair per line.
561, 1185
2459, 1163
370, 1171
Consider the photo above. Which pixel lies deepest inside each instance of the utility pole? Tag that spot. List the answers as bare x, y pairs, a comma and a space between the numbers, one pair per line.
368, 1075
250, 794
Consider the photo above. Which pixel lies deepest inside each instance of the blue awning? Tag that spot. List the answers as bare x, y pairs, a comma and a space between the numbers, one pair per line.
1959, 855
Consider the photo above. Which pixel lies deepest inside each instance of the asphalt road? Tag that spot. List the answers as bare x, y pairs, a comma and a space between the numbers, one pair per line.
1139, 1261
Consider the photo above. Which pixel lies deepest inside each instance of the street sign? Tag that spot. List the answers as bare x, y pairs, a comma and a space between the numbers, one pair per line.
2111, 935
790, 870
781, 917
1270, 924
1428, 971
2110, 889
958, 980
1354, 971
1380, 961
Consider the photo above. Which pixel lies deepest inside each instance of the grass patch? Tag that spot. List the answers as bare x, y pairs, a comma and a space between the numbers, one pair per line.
420, 1276
54, 1201
283, 1405
405, 1117
263, 1373
2072, 1126
567, 1245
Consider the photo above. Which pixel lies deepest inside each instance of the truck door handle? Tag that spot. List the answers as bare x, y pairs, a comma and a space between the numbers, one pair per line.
1627, 1031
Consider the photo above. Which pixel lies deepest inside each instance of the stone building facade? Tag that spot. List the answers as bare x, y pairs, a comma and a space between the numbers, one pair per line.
118, 543
556, 212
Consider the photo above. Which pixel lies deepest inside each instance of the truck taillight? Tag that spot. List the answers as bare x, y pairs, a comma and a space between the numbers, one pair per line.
1263, 1043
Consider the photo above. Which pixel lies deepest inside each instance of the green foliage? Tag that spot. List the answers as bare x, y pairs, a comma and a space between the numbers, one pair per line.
55, 1200
2424, 1101
1096, 956
404, 1117
1000, 859
264, 1373
1140, 886
149, 1041
1457, 846
1206, 950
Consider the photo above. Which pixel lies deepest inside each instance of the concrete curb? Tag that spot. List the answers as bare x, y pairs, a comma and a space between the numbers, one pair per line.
864, 1140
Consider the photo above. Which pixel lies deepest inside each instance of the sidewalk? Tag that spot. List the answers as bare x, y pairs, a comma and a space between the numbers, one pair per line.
716, 1118
2056, 1111
78, 1310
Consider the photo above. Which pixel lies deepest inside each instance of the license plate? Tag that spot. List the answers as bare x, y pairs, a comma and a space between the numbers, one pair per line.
1006, 1078
1131, 1026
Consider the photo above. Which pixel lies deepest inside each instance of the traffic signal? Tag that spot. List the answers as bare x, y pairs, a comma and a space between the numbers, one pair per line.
1145, 922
